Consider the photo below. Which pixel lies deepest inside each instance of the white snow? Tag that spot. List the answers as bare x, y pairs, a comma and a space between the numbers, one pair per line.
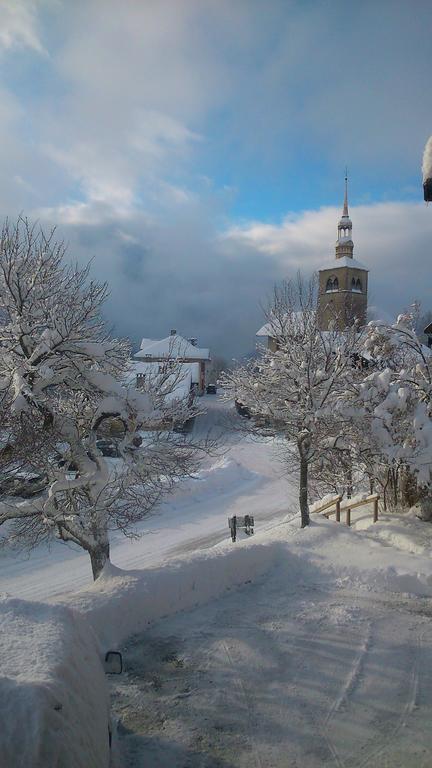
345, 261
427, 160
312, 646
54, 707
174, 346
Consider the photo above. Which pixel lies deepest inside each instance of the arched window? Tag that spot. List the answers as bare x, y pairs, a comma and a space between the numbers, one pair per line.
356, 285
332, 285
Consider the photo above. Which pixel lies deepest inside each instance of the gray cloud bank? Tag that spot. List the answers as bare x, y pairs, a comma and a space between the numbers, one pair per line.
211, 284
118, 122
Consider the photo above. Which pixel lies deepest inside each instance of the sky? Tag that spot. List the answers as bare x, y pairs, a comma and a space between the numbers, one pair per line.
195, 150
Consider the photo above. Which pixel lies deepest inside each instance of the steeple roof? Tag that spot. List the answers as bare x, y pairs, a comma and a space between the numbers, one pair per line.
345, 208
344, 243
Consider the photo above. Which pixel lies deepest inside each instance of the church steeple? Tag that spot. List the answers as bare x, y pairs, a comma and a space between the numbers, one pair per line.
343, 281
344, 243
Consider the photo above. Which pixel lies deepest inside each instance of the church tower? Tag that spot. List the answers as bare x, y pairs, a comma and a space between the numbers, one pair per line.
342, 291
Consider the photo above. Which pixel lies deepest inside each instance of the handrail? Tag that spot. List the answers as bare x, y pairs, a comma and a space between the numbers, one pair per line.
328, 504
373, 498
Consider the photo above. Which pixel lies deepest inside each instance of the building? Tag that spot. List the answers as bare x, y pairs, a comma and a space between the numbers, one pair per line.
174, 349
343, 284
428, 332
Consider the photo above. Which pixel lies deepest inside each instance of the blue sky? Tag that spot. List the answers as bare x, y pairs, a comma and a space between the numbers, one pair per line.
195, 149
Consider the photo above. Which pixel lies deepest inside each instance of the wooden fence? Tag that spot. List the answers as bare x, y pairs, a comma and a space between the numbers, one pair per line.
346, 506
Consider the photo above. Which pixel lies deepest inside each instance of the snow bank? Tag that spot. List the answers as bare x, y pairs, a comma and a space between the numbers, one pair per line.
353, 559
122, 603
53, 695
403, 531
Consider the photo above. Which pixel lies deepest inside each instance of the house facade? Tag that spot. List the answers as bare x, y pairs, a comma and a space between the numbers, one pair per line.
175, 349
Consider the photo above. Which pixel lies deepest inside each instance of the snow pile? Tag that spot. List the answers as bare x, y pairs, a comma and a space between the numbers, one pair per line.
352, 559
53, 695
122, 603
403, 531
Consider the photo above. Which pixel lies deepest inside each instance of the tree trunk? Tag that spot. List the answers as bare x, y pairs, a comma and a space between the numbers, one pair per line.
304, 508
98, 557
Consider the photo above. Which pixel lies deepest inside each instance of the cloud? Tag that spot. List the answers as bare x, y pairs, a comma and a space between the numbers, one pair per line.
178, 270
19, 26
149, 124
390, 238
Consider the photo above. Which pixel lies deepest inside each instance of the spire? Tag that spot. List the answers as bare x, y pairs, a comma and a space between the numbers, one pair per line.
345, 208
344, 243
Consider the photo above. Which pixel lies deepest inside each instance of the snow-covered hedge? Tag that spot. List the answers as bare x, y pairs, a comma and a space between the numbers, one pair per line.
54, 707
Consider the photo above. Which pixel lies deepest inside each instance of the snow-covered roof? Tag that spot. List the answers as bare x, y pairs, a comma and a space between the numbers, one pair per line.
345, 261
427, 160
268, 329
172, 347
146, 342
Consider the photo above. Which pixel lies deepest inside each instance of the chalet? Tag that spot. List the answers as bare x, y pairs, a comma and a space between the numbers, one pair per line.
174, 349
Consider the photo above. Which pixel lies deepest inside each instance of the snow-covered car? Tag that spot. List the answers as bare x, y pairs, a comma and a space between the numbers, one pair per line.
23, 484
54, 683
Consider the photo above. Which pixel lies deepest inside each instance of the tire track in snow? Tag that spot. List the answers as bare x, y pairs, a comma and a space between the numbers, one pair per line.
352, 678
315, 723
408, 708
243, 693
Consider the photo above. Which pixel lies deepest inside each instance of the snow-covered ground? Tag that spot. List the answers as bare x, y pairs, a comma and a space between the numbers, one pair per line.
323, 657
293, 647
287, 671
54, 700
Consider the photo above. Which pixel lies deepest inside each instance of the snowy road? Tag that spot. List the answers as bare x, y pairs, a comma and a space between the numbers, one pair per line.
193, 517
322, 661
270, 679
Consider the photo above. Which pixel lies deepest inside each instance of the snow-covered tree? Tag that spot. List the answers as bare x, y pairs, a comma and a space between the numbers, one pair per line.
293, 387
394, 406
63, 380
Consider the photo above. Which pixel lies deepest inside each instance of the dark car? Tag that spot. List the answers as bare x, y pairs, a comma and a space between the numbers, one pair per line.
242, 409
211, 389
108, 448
22, 484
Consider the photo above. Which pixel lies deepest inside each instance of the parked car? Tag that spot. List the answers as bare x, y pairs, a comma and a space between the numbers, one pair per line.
23, 484
108, 447
184, 427
211, 389
242, 409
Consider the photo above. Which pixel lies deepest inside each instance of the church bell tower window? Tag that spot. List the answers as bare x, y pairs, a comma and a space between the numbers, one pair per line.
332, 285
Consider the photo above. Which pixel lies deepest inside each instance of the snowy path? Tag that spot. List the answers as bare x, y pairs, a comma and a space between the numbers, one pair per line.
268, 678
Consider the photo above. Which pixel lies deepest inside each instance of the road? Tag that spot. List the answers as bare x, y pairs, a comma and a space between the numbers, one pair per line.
275, 677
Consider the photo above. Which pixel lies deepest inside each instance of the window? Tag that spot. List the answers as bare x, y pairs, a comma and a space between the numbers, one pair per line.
332, 285
356, 285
